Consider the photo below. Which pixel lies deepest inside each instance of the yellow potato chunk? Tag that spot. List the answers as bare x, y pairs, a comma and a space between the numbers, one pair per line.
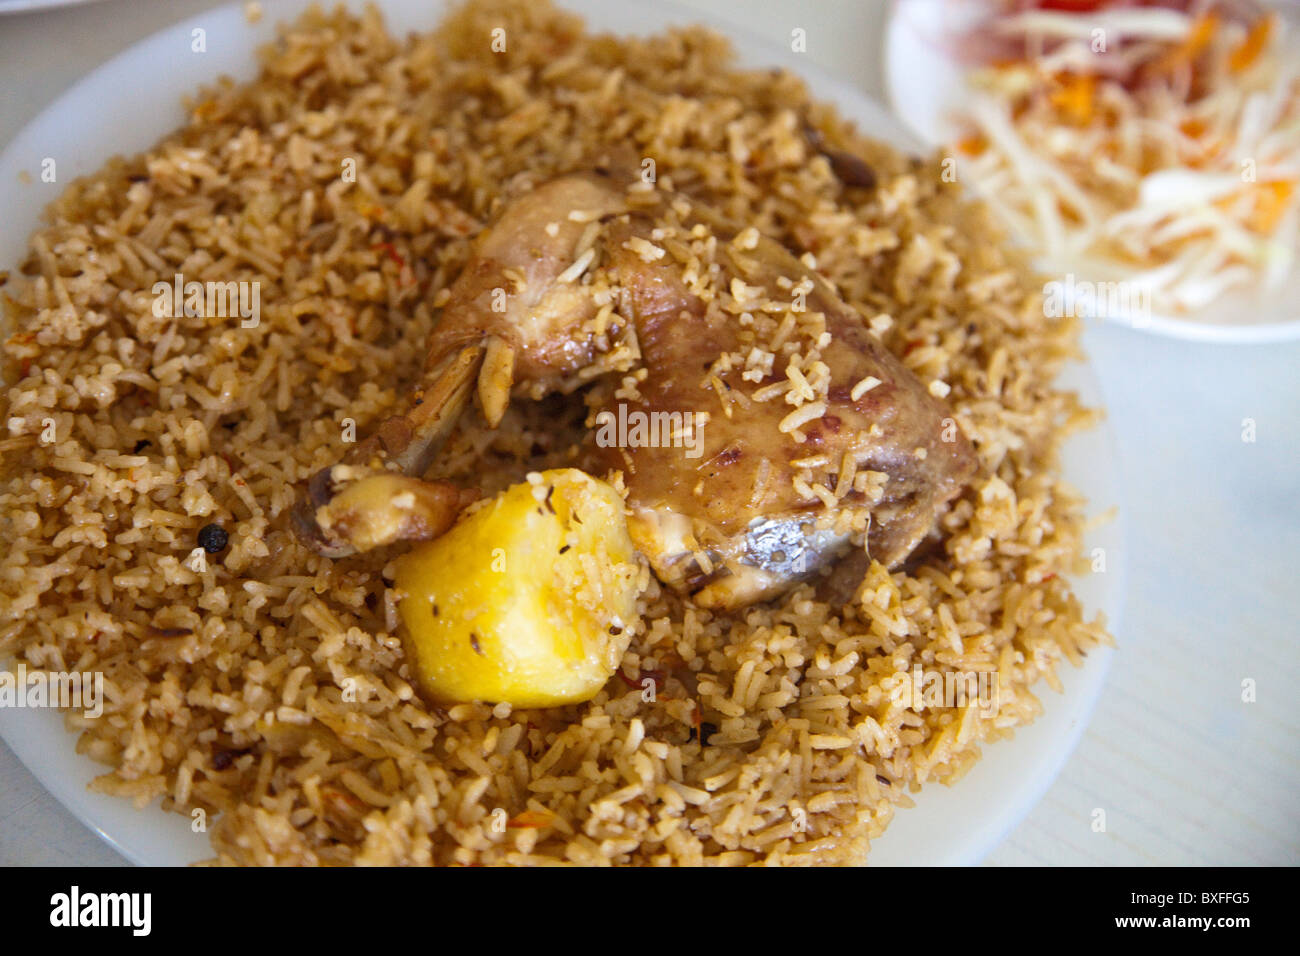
527, 600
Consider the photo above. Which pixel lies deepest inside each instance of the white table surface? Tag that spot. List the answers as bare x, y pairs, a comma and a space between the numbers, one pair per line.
1186, 772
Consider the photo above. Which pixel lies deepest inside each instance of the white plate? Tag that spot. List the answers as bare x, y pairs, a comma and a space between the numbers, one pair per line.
926, 87
948, 826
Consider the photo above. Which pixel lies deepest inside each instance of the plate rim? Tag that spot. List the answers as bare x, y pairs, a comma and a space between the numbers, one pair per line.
16, 7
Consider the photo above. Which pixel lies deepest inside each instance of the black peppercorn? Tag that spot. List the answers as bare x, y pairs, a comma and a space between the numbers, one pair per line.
707, 730
213, 538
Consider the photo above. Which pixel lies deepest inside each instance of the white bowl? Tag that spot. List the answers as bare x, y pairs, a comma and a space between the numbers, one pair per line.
926, 87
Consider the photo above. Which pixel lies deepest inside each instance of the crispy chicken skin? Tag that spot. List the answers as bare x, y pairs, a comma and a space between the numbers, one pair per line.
752, 508
738, 498
511, 291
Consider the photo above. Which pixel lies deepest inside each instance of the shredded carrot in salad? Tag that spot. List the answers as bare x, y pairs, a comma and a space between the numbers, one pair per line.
1271, 205
1254, 44
1154, 141
1183, 55
1074, 96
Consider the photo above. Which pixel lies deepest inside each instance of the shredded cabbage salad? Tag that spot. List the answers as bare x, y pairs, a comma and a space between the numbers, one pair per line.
1152, 142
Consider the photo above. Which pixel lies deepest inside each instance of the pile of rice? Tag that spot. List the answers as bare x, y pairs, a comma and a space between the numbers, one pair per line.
269, 689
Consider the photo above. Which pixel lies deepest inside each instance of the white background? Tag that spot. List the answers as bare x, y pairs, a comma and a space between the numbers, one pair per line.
1186, 772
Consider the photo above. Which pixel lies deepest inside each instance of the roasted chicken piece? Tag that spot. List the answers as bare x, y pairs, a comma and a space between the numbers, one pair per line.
513, 315
793, 432
769, 501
